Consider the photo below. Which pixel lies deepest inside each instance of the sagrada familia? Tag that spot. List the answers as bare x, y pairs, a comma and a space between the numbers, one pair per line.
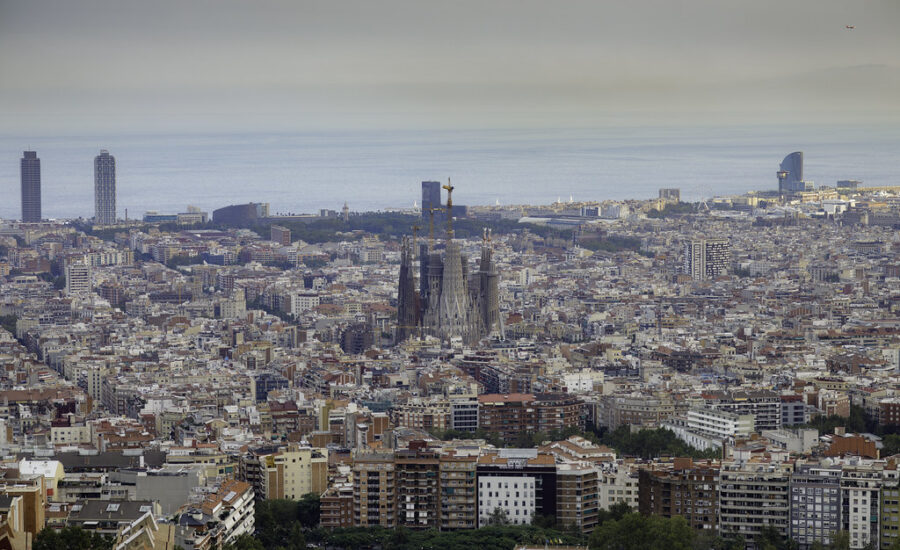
448, 303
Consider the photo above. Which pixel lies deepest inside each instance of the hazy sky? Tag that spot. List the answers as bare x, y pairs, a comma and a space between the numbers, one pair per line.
176, 65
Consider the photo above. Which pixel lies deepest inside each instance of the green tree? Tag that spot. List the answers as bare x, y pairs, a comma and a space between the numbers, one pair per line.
498, 517
308, 510
71, 538
639, 532
9, 322
840, 541
245, 542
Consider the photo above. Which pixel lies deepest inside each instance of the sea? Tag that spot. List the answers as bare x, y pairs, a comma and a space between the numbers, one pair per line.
303, 172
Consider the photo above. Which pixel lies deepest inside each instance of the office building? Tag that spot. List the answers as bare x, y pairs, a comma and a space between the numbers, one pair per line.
706, 258
431, 196
31, 187
104, 188
521, 483
464, 413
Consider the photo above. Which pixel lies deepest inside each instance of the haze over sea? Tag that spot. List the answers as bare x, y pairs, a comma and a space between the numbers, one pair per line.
371, 170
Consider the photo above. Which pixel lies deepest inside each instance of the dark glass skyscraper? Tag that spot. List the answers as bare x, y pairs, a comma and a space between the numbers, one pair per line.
104, 188
31, 187
431, 196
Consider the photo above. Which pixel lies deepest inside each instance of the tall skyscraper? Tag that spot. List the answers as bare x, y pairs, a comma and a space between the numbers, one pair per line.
431, 196
706, 258
790, 174
31, 187
104, 188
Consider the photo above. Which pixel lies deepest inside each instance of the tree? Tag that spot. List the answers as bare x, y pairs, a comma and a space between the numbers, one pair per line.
840, 541
9, 322
245, 542
639, 532
71, 538
498, 517
308, 510
615, 512
771, 539
547, 521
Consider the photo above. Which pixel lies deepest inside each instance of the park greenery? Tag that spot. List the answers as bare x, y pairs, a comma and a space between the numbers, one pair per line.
643, 443
328, 229
292, 525
9, 322
653, 443
673, 209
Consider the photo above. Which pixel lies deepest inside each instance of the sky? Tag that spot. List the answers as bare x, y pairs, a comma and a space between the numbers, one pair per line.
226, 65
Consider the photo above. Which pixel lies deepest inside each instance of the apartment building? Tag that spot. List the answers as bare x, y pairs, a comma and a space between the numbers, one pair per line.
458, 491
374, 490
417, 472
815, 505
682, 489
764, 405
294, 471
577, 496
753, 496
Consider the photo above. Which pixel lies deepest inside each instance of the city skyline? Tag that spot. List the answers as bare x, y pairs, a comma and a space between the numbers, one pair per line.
578, 275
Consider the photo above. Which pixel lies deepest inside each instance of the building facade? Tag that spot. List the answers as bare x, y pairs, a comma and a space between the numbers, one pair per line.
31, 187
104, 188
754, 496
815, 505
706, 258
685, 489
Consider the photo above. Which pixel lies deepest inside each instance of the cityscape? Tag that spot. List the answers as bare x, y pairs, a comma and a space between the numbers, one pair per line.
698, 369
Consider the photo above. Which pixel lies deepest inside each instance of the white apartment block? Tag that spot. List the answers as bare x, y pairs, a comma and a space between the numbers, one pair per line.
513, 494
